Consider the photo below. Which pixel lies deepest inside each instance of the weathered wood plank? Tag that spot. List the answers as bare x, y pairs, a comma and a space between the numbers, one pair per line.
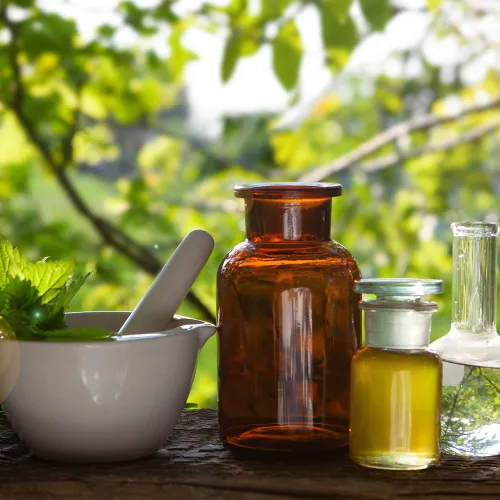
194, 465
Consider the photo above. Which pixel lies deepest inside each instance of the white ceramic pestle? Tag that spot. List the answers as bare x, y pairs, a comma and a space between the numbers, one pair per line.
171, 286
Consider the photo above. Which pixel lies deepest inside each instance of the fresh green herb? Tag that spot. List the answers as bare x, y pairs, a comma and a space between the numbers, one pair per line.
35, 296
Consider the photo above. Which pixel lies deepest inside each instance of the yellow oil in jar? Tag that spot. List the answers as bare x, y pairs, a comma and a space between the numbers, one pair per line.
395, 408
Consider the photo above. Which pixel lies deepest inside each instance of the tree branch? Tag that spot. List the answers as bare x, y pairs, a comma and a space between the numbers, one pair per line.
395, 158
109, 233
424, 122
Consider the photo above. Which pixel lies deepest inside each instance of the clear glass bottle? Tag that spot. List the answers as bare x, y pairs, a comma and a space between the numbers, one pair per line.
471, 350
288, 324
395, 379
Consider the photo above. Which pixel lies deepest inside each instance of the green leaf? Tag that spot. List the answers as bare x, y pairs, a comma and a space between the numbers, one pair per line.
17, 263
5, 256
21, 295
11, 261
230, 58
35, 295
18, 324
47, 32
335, 8
337, 32
84, 333
433, 5
106, 31
248, 44
273, 9
134, 16
73, 288
179, 55
237, 8
6, 331
164, 12
67, 294
23, 3
378, 12
337, 58
287, 55
4, 302
49, 277
53, 320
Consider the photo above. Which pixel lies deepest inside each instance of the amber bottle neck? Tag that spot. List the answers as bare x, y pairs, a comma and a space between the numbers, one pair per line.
270, 220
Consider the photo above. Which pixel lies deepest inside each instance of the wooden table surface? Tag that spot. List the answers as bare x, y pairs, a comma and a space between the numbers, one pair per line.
193, 465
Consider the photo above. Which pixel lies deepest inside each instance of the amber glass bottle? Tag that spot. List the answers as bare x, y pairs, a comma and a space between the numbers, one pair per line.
288, 324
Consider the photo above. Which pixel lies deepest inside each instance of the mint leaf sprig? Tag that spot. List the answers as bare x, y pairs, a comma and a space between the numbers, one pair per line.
35, 296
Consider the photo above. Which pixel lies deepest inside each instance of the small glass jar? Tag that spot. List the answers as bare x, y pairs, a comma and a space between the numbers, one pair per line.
395, 379
288, 324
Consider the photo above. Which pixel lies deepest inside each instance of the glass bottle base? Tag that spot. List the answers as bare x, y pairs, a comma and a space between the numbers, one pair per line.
470, 424
395, 461
290, 438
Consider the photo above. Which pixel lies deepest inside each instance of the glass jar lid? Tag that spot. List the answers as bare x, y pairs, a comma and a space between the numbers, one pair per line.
397, 318
402, 288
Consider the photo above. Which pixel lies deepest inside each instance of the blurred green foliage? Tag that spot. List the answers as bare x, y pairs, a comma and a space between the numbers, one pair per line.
64, 103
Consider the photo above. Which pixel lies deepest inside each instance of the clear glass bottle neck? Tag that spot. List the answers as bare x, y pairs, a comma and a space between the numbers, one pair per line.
288, 220
474, 283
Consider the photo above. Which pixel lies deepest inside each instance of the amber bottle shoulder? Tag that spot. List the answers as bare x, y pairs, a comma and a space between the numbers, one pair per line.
249, 253
326, 249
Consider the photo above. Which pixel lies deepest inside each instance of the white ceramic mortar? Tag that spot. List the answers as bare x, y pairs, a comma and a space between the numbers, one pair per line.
100, 401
